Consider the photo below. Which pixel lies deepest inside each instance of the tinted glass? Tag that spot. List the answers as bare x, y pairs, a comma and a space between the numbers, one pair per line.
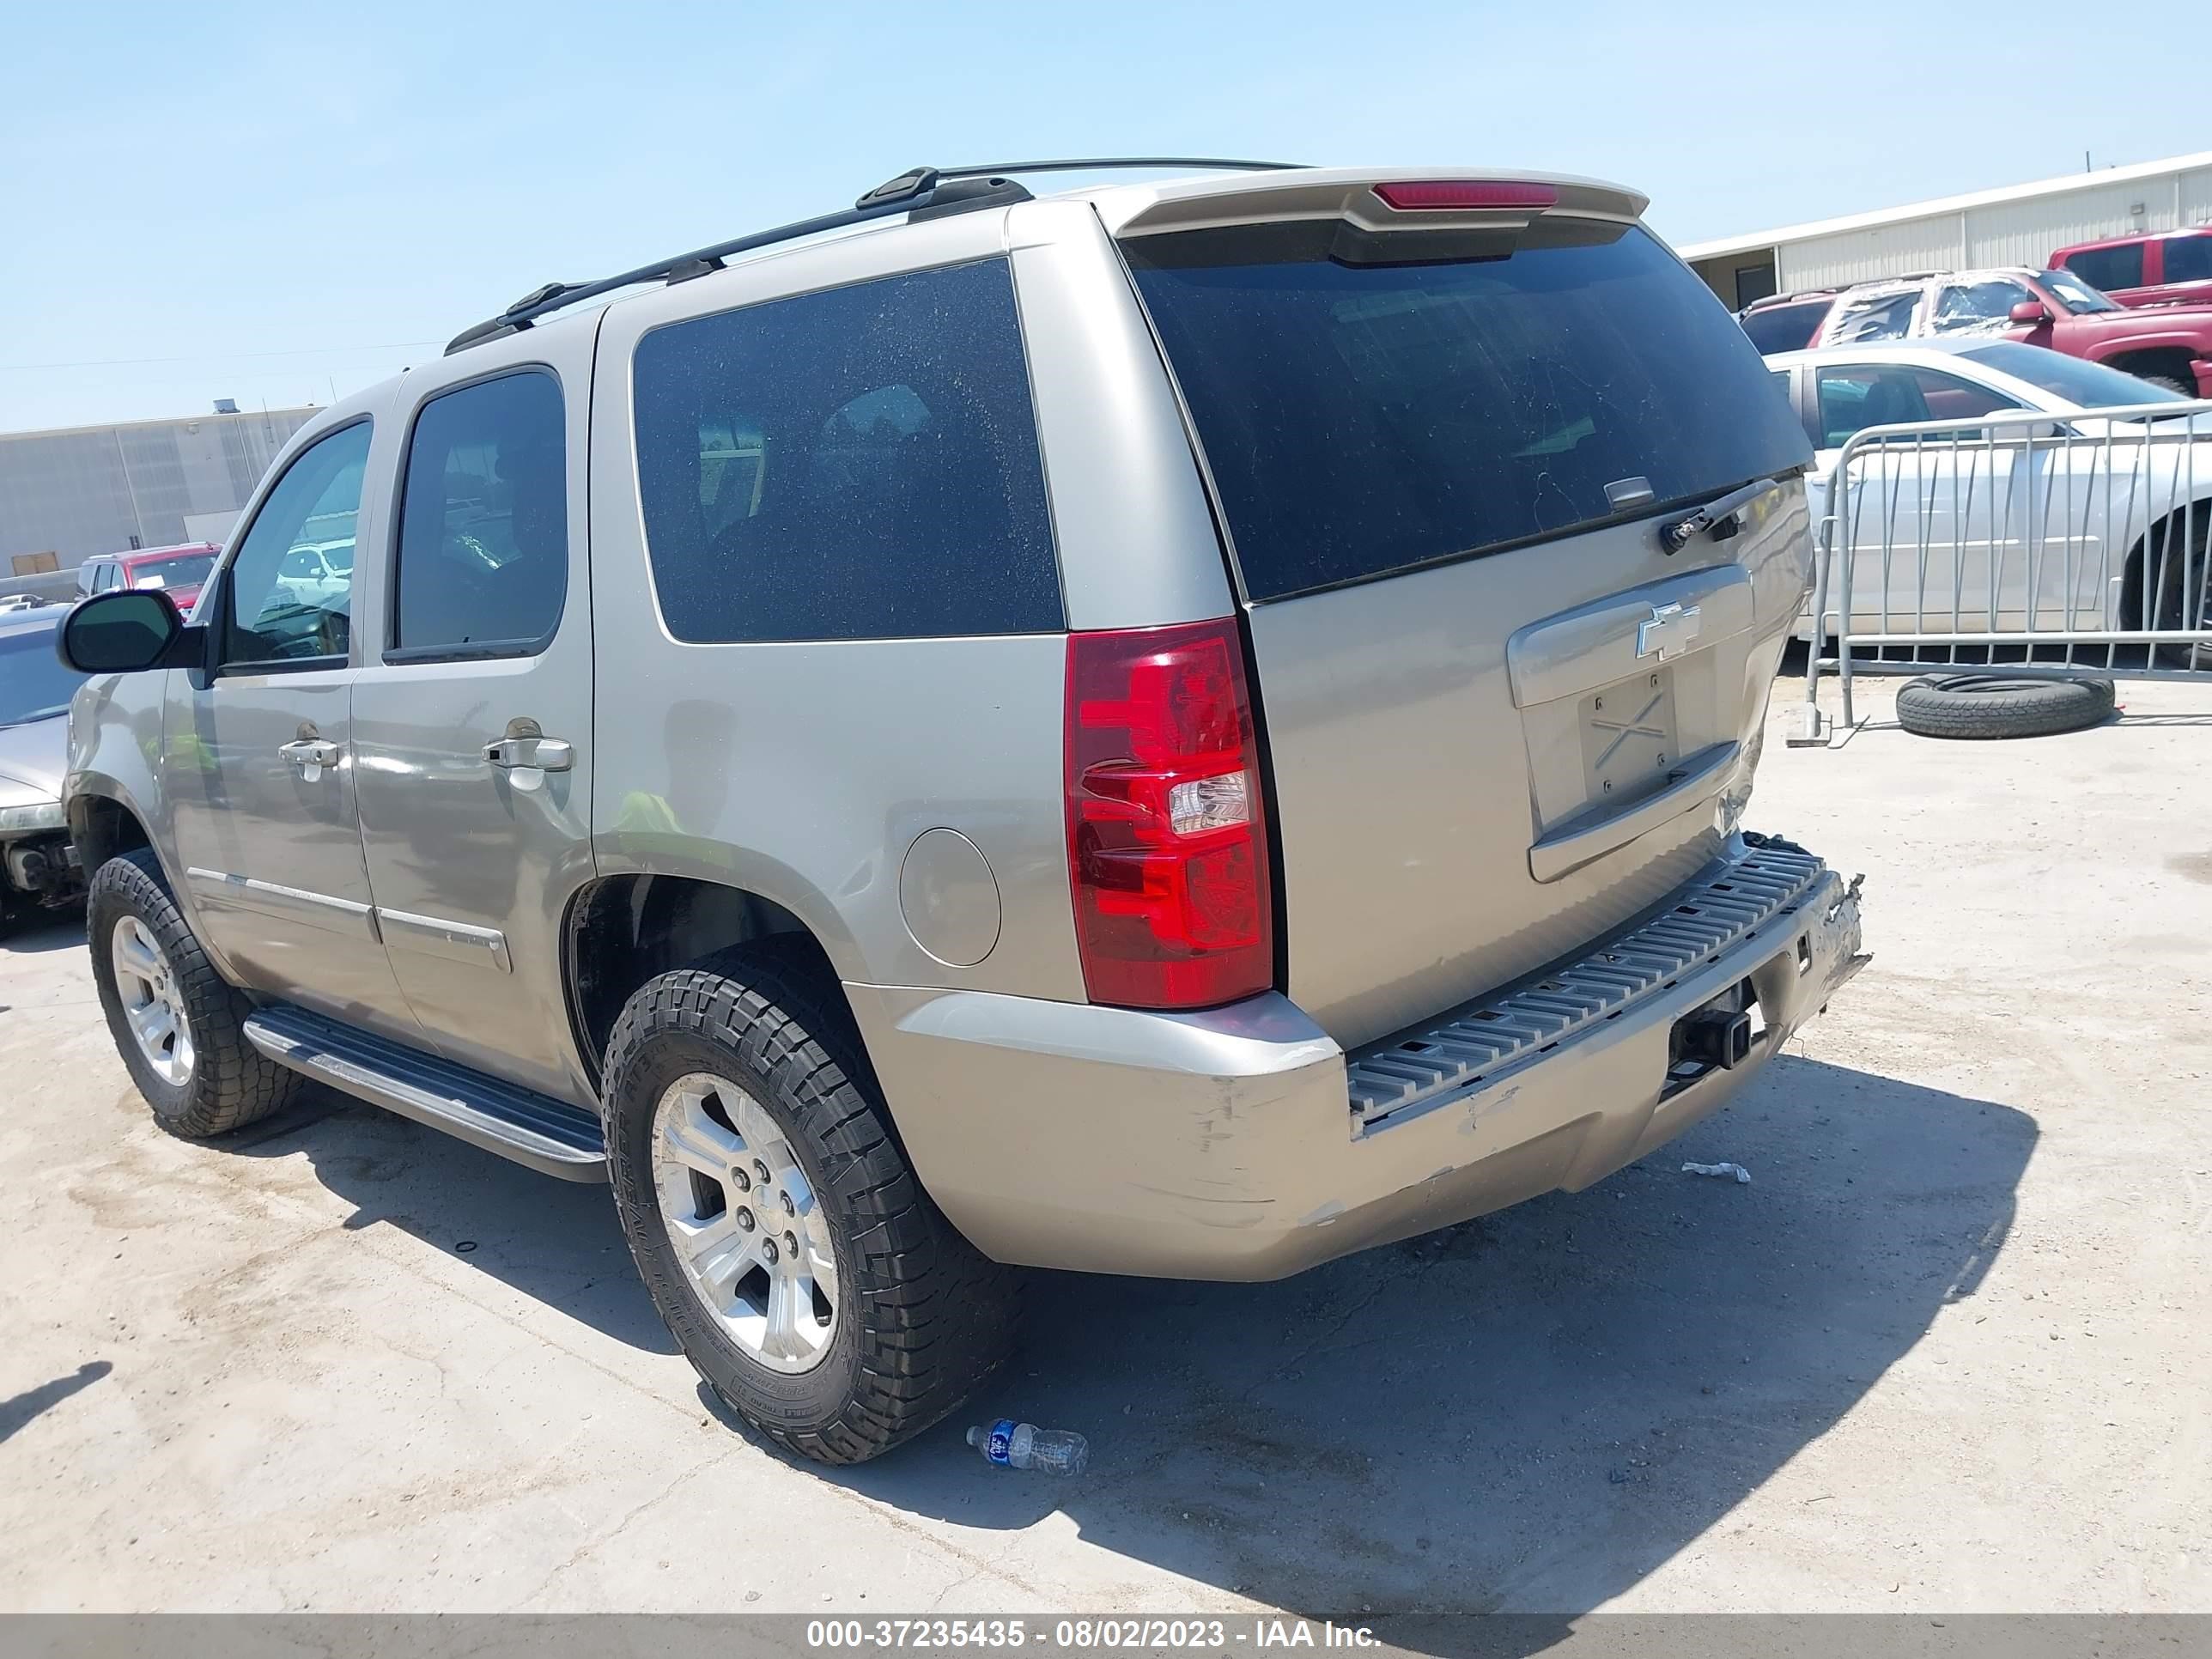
2109, 267
2090, 386
34, 684
2188, 260
1785, 328
1364, 418
1961, 308
852, 465
483, 523
267, 618
1854, 398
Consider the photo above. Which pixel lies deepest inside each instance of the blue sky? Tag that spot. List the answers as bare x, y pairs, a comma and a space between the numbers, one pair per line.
204, 200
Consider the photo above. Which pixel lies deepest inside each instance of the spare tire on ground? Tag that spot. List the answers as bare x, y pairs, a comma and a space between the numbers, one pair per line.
1991, 706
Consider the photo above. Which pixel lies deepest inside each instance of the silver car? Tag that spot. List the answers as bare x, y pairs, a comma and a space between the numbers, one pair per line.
2087, 520
38, 865
1180, 729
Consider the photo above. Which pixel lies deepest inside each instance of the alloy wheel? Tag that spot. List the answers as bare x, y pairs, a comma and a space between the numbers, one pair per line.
748, 1230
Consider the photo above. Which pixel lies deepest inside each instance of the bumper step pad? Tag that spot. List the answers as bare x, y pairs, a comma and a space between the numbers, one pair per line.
1476, 1041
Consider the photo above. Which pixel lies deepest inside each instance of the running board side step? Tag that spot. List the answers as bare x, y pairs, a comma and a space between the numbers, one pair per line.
534, 1130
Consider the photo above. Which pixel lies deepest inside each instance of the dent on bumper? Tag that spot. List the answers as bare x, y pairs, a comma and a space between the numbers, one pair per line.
1224, 1145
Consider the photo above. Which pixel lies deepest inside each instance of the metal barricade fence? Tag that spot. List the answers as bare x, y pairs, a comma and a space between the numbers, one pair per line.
2042, 544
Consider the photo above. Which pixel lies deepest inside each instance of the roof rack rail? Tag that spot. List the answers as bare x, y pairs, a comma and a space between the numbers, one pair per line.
918, 191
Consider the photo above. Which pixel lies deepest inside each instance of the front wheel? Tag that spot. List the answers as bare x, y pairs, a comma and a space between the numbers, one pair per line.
177, 1023
782, 1235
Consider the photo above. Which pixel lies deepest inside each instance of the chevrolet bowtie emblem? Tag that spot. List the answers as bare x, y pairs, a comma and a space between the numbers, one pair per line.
1669, 631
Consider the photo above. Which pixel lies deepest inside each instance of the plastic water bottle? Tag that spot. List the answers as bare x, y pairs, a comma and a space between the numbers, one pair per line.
1024, 1446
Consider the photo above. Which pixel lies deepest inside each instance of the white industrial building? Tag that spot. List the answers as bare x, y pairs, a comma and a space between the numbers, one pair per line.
69, 494
2020, 225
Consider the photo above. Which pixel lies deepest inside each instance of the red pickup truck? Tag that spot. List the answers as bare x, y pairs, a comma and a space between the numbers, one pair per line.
2167, 345
2174, 267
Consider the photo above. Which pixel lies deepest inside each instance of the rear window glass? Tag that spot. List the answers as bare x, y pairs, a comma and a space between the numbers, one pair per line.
1785, 328
2109, 268
1364, 418
856, 464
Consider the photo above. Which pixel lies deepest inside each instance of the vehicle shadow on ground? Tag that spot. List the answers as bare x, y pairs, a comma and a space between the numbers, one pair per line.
556, 1241
43, 932
1530, 1412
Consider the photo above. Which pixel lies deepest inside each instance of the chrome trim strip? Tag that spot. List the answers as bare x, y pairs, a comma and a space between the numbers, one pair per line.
1477, 1040
453, 941
274, 898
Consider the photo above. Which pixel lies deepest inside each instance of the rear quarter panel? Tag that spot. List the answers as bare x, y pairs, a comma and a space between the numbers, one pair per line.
805, 771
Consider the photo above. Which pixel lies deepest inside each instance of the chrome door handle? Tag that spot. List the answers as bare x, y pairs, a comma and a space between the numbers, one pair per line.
546, 754
311, 754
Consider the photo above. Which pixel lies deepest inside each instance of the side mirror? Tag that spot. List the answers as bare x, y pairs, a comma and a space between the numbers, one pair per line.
119, 632
2031, 312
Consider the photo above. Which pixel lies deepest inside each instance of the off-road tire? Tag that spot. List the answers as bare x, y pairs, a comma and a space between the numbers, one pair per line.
2169, 383
1991, 706
232, 1083
923, 1316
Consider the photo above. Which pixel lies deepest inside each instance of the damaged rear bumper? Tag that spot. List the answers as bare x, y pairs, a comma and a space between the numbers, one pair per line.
1242, 1143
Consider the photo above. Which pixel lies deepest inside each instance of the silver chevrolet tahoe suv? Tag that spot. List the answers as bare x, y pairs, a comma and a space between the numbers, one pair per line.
1181, 729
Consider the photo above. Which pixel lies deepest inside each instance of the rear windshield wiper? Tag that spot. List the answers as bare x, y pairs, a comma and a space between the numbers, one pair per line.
1673, 537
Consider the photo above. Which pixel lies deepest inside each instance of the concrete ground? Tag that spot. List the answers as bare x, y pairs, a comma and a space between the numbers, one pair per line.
1947, 1350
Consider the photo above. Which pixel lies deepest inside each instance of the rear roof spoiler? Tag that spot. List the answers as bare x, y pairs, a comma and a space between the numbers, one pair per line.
1343, 193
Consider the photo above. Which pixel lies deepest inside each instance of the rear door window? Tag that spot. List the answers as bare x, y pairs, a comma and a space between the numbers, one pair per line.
2109, 268
856, 464
482, 566
2188, 260
1360, 419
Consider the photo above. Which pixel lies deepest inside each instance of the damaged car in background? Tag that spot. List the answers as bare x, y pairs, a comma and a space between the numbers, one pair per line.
38, 863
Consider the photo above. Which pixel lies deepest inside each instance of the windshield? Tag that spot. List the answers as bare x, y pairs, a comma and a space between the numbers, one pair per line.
183, 570
2087, 386
34, 683
2076, 294
1362, 418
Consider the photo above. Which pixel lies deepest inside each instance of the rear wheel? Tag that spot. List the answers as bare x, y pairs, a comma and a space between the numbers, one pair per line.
783, 1238
177, 1023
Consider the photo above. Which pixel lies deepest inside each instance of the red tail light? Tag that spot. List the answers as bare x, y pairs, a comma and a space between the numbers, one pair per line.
1439, 195
1166, 843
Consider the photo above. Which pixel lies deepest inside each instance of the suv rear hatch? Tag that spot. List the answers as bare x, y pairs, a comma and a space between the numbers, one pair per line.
1444, 423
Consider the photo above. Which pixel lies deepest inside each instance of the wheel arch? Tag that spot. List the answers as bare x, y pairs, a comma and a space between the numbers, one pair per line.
105, 820
2172, 358
622, 930
2196, 512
